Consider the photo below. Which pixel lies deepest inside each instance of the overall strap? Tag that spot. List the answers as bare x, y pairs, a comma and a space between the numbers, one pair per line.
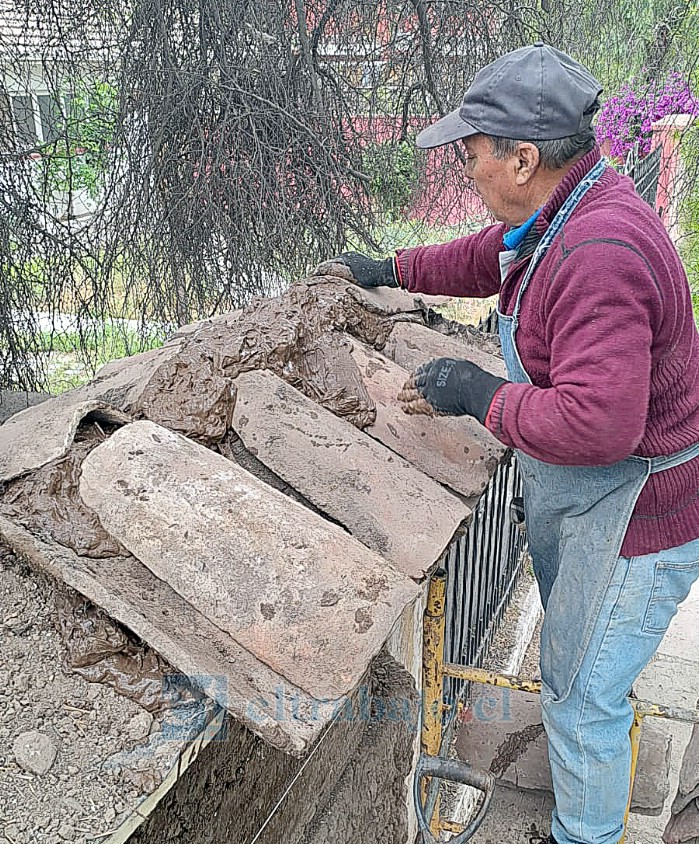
660, 464
561, 218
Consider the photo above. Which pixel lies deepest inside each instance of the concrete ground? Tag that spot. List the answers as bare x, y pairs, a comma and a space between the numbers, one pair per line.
521, 817
672, 678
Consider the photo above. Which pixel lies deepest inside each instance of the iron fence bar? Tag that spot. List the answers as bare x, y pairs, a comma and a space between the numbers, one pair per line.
483, 567
486, 595
645, 173
476, 558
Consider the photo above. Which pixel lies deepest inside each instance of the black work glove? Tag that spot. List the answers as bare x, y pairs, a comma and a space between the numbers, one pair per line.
365, 271
451, 387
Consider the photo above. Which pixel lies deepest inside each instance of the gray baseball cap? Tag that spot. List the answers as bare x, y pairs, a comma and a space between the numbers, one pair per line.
534, 93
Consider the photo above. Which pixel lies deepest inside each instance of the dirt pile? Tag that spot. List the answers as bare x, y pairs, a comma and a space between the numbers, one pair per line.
57, 732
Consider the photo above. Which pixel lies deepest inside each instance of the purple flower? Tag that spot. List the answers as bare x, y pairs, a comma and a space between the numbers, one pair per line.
628, 116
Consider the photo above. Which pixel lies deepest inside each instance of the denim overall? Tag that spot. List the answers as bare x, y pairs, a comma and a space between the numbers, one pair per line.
593, 645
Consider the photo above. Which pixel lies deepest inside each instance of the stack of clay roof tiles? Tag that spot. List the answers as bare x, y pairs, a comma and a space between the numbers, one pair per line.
250, 499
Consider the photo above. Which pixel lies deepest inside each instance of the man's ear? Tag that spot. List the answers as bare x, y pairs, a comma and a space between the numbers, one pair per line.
527, 163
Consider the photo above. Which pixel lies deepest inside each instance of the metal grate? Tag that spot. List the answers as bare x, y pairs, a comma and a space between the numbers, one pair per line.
482, 570
645, 173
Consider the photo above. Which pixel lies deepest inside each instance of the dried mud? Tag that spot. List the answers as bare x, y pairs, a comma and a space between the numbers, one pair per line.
301, 336
48, 501
103, 741
101, 651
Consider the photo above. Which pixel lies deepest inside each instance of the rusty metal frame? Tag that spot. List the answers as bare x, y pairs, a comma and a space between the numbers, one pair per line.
433, 684
435, 670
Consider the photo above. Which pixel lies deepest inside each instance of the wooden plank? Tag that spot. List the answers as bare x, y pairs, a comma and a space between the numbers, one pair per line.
380, 498
456, 451
189, 755
411, 344
296, 591
254, 694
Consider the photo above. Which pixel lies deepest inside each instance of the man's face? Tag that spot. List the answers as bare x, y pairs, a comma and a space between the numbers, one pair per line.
495, 180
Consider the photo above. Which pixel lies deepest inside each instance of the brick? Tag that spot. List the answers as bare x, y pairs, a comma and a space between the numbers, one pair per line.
44, 432
411, 344
456, 451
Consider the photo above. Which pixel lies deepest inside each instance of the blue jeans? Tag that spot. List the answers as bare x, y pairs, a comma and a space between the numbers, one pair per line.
588, 730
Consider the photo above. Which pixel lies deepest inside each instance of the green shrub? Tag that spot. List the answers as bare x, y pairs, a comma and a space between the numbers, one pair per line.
393, 170
78, 157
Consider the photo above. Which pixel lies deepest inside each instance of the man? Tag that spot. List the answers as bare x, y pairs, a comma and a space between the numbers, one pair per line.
601, 401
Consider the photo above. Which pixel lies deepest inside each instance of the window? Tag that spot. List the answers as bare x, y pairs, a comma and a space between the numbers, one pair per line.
6, 132
50, 117
372, 73
37, 118
25, 124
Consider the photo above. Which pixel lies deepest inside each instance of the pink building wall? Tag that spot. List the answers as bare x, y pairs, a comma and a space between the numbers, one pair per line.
442, 195
667, 134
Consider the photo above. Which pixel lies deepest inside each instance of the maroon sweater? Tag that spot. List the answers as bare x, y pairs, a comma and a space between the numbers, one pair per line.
608, 338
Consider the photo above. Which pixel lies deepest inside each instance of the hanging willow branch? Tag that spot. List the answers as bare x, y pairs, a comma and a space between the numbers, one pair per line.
165, 161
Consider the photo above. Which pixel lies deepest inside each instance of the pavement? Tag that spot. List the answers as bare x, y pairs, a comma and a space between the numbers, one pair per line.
671, 678
517, 816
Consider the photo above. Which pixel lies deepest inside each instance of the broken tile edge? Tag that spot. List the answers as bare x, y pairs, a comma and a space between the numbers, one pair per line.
76, 412
41, 556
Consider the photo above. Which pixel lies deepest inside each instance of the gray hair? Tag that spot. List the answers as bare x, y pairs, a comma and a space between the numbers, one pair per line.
552, 154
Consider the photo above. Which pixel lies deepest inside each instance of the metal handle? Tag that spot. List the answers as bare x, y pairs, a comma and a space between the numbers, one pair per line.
452, 770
